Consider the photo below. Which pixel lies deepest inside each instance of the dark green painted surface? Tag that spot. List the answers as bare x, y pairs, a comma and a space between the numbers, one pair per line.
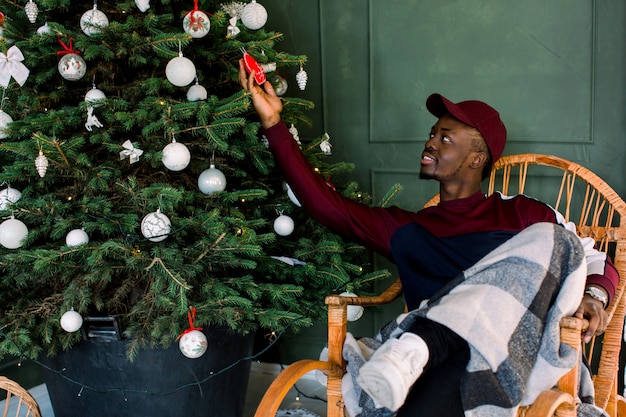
555, 69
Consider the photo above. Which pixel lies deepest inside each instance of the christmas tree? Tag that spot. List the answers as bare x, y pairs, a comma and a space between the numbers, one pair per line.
136, 183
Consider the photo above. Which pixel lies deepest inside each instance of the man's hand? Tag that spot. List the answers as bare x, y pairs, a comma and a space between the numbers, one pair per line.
265, 100
592, 310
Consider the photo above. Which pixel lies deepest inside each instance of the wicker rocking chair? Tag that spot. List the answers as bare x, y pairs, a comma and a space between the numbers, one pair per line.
17, 399
583, 198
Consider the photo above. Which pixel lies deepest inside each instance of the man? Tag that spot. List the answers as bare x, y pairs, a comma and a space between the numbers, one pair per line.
419, 372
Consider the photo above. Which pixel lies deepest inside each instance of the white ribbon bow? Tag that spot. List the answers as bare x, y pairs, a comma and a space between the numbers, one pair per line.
11, 65
130, 152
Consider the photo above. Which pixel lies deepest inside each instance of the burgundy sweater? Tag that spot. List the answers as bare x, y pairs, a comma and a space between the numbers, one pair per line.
429, 247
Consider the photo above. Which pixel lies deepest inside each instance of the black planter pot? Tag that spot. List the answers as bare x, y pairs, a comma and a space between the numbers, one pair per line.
158, 383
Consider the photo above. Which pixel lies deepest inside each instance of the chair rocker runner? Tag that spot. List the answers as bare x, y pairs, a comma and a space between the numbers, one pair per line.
584, 199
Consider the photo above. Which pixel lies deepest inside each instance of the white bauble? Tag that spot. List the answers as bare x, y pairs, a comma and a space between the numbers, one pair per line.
156, 226
292, 196
71, 321
93, 21
354, 312
9, 195
44, 29
212, 180
76, 237
5, 119
176, 156
142, 5
94, 95
196, 93
193, 344
196, 24
12, 233
283, 225
180, 71
72, 67
254, 15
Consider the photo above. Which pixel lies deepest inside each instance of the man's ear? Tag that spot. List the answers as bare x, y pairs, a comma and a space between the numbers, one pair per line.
479, 161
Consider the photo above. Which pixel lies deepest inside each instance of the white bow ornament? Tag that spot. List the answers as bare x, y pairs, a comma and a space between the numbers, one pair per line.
11, 66
130, 152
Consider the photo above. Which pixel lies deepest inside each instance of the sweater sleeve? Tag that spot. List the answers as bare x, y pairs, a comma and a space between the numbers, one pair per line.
370, 226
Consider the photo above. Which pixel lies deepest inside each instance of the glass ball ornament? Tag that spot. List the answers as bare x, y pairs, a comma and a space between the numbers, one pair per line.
156, 226
354, 312
143, 5
12, 233
197, 93
283, 225
279, 83
76, 237
72, 67
71, 321
212, 180
176, 156
94, 95
44, 29
93, 21
253, 15
180, 71
196, 24
8, 196
5, 119
193, 344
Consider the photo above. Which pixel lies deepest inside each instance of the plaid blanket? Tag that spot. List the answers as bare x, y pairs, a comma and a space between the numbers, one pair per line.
507, 307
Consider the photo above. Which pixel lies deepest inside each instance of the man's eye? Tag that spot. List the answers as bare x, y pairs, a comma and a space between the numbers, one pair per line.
445, 139
432, 135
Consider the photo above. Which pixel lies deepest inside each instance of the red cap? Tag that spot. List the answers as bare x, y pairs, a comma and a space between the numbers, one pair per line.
476, 114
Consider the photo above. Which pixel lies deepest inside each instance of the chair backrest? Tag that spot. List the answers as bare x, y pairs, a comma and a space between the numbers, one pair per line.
597, 210
18, 401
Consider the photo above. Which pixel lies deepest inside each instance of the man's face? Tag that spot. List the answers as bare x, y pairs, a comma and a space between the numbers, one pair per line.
448, 151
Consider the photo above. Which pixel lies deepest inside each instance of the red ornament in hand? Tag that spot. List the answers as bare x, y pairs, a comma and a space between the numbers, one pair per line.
251, 65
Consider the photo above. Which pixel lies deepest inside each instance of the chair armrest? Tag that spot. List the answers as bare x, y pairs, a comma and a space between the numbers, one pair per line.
393, 292
279, 388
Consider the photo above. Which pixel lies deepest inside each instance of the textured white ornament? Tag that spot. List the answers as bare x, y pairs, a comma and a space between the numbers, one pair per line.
5, 119
197, 93
156, 226
12, 233
93, 21
176, 156
197, 24
301, 78
44, 29
8, 196
31, 10
71, 321
354, 312
193, 344
254, 15
72, 67
283, 225
76, 237
325, 145
41, 163
180, 71
142, 5
212, 180
292, 196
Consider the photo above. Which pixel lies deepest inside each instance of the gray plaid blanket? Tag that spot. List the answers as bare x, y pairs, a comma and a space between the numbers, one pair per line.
508, 308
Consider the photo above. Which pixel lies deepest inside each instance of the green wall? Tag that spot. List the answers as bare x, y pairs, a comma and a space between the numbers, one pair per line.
555, 69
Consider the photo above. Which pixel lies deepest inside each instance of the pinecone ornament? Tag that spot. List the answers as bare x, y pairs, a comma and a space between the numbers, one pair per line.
41, 163
301, 78
31, 10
